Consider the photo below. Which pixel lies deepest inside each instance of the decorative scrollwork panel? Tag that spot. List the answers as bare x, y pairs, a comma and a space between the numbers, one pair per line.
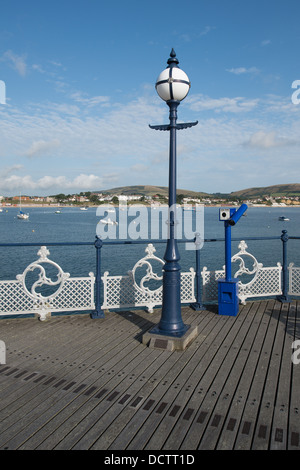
266, 281
66, 293
130, 291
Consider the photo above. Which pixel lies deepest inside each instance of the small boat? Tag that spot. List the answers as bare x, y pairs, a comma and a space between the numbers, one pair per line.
21, 215
58, 212
283, 218
108, 222
85, 208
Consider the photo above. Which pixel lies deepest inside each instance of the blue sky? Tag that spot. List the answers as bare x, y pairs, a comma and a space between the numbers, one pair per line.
80, 77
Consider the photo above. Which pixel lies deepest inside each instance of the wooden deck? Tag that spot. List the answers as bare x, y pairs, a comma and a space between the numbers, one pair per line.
77, 383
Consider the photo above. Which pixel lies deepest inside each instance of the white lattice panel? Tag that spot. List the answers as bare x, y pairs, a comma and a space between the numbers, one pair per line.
294, 280
120, 292
72, 293
125, 292
266, 281
210, 284
76, 294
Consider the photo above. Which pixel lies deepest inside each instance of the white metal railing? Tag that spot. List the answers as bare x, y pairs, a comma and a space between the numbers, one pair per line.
127, 291
71, 294
265, 281
294, 280
132, 290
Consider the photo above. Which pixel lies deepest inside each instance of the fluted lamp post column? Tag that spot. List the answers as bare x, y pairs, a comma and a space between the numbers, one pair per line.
171, 333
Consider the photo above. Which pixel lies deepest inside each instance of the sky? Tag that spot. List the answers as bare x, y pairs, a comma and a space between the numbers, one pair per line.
80, 94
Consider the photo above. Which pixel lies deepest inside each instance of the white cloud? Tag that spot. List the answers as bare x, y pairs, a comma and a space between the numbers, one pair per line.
41, 147
233, 105
266, 140
206, 30
17, 62
26, 183
243, 70
94, 100
38, 68
115, 147
8, 170
139, 168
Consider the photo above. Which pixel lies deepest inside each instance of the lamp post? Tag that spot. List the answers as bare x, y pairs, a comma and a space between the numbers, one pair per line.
172, 86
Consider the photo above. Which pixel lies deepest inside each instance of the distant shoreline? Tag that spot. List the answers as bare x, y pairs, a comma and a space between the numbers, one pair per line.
55, 206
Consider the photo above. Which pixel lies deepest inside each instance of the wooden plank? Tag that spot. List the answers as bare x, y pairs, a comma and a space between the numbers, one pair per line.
139, 391
294, 411
279, 433
210, 365
268, 399
79, 383
120, 421
233, 384
60, 425
222, 326
161, 438
241, 394
226, 357
125, 426
66, 425
88, 373
35, 345
80, 351
43, 397
253, 403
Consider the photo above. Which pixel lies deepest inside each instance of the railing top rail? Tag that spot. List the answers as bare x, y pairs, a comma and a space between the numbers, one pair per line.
46, 244
137, 242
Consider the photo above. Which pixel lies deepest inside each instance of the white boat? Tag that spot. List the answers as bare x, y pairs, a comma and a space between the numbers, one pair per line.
21, 215
83, 208
108, 222
58, 212
283, 219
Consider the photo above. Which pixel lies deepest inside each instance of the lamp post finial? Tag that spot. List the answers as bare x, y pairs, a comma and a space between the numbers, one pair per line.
173, 61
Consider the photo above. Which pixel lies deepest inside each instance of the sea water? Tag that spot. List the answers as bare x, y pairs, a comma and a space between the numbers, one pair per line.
73, 225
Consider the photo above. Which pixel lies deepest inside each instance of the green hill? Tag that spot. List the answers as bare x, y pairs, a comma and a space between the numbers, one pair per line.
274, 191
150, 191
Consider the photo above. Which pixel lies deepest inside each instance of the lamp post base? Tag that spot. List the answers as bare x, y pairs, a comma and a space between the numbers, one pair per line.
155, 340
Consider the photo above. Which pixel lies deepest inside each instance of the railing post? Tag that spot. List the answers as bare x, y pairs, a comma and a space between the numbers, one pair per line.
284, 297
198, 304
98, 312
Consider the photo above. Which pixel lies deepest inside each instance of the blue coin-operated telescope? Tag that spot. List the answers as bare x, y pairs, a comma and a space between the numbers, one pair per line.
228, 287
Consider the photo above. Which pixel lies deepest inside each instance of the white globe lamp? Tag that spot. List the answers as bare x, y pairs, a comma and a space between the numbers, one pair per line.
173, 83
